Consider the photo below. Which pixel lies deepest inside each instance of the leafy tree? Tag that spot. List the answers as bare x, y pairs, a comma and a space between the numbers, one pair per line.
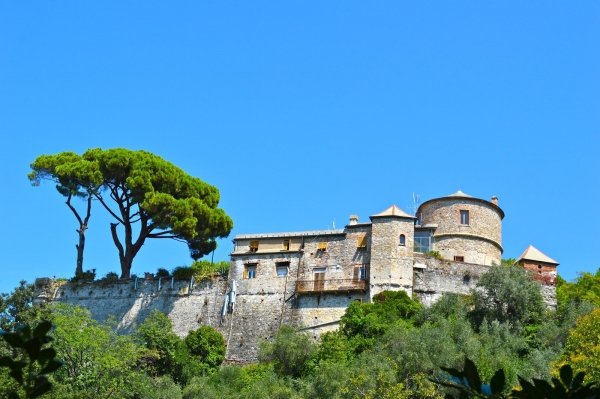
161, 200
289, 352
75, 177
585, 288
208, 345
146, 195
97, 361
167, 353
156, 334
582, 349
32, 363
364, 322
507, 294
17, 307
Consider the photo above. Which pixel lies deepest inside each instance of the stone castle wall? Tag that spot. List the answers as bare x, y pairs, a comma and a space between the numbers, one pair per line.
454, 239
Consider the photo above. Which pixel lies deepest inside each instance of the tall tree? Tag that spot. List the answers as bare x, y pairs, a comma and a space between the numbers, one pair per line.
152, 198
74, 177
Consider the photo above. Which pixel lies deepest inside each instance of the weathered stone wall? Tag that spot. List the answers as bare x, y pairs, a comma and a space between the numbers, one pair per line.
435, 277
318, 313
131, 303
485, 223
391, 263
473, 249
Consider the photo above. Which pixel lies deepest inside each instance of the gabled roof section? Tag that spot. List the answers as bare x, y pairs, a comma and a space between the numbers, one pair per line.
392, 211
534, 254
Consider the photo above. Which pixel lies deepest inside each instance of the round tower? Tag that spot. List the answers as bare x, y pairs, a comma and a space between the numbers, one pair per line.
465, 228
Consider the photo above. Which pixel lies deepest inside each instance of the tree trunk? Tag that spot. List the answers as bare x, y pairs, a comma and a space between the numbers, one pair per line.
80, 247
83, 223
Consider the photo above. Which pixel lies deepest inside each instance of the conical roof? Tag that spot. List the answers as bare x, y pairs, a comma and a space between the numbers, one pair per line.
534, 254
460, 194
393, 210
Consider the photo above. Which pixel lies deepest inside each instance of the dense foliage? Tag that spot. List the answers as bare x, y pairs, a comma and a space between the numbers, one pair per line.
391, 348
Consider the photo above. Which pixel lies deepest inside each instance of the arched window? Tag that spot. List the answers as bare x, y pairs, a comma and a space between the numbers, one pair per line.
402, 240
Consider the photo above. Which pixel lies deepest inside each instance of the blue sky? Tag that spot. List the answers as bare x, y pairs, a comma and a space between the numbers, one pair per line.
302, 113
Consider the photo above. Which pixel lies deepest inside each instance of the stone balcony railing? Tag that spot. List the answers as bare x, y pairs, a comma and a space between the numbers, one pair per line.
330, 285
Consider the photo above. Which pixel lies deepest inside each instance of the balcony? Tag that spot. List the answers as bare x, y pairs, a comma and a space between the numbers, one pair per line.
331, 285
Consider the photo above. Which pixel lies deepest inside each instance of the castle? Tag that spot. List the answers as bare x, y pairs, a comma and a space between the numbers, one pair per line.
308, 278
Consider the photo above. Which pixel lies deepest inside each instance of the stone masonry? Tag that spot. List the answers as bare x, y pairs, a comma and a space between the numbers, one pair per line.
308, 279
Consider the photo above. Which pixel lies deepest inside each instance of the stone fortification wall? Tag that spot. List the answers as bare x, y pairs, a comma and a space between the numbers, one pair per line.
435, 277
130, 303
257, 315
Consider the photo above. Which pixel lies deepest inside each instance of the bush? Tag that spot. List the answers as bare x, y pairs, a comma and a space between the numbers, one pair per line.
183, 273
208, 345
111, 277
88, 275
290, 352
162, 272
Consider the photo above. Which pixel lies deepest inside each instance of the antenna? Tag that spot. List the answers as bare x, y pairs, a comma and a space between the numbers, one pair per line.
416, 201
333, 224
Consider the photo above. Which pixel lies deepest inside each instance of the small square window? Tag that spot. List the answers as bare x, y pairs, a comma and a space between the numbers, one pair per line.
459, 258
253, 245
464, 217
250, 270
322, 246
282, 269
286, 245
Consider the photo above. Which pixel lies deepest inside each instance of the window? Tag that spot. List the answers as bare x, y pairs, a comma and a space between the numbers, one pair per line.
402, 240
253, 245
250, 270
361, 242
464, 217
459, 258
360, 272
422, 241
282, 268
322, 246
286, 245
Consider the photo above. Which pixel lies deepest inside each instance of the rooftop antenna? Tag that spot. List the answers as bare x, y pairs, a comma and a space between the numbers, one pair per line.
416, 200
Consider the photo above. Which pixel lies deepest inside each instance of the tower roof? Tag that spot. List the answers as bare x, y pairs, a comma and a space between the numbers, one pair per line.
460, 194
393, 210
534, 254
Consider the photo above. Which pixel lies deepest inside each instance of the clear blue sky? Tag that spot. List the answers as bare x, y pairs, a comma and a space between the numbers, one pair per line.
302, 113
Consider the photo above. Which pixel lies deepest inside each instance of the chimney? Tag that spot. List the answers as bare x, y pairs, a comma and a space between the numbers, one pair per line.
495, 200
353, 220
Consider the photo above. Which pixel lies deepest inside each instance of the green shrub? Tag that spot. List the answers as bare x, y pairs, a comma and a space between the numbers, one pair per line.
88, 275
110, 278
434, 254
162, 272
183, 273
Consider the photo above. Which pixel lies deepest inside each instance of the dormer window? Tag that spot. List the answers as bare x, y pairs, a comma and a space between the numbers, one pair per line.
464, 217
402, 240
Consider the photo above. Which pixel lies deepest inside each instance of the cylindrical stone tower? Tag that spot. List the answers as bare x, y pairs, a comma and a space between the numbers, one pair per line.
467, 229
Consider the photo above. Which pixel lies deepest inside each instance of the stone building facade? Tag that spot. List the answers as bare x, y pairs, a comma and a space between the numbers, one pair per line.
307, 279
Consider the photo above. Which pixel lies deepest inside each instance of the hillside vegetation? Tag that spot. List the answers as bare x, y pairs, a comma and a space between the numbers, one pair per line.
391, 348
